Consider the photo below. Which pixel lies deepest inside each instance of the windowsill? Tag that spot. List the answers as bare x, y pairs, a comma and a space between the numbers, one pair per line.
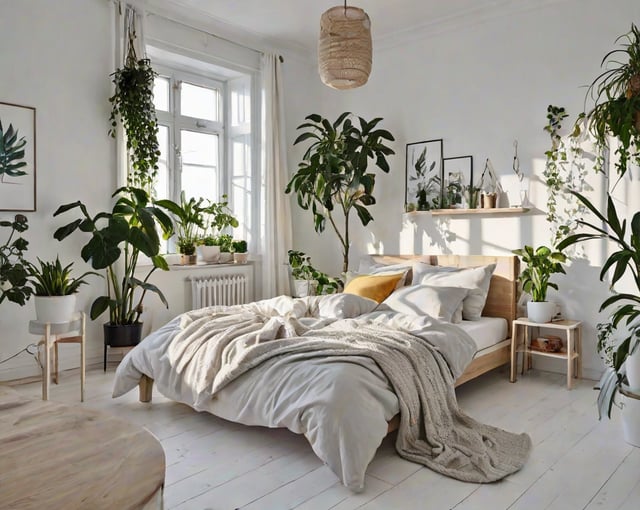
187, 267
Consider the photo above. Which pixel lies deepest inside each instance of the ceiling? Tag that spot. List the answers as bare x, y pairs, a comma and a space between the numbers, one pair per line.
295, 23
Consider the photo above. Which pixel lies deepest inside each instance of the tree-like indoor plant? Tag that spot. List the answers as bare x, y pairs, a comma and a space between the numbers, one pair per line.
307, 280
540, 263
54, 289
116, 241
14, 284
333, 173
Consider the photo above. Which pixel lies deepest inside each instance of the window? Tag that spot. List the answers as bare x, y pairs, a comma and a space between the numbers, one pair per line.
206, 141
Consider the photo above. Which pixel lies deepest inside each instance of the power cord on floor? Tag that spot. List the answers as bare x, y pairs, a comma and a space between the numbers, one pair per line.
30, 349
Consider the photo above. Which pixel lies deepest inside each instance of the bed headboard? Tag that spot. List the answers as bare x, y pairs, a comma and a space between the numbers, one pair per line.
502, 300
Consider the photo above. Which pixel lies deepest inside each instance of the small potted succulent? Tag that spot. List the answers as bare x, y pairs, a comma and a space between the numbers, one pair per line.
54, 290
240, 255
541, 263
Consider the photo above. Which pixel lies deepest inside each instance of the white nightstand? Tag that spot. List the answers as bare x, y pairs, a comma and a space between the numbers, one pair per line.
572, 351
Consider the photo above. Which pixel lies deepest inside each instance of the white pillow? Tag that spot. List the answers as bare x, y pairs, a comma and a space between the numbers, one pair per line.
444, 303
344, 306
475, 279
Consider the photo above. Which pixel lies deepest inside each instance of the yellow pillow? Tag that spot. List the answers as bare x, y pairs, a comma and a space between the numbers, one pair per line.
376, 287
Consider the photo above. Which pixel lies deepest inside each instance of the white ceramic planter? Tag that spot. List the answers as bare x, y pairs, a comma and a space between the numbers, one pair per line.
540, 312
209, 254
226, 257
632, 364
240, 258
630, 420
304, 288
54, 309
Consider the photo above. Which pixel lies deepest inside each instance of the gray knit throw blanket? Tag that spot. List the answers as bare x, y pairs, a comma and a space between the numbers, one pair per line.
433, 430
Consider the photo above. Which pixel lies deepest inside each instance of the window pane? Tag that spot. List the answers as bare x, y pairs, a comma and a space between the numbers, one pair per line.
161, 93
162, 182
200, 164
198, 102
240, 102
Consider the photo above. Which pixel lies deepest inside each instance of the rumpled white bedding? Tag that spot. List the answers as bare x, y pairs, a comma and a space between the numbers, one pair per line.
341, 404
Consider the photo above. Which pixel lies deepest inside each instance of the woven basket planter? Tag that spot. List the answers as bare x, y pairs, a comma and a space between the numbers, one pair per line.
344, 50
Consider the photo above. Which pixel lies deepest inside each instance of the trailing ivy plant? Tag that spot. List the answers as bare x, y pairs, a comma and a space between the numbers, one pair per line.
564, 171
132, 104
333, 173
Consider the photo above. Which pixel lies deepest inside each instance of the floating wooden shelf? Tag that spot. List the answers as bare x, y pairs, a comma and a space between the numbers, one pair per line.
455, 212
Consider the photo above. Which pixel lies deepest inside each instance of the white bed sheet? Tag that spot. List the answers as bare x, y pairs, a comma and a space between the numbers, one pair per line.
487, 331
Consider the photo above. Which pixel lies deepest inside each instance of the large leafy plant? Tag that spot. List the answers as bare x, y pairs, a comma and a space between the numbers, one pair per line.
11, 153
541, 263
120, 237
333, 173
14, 284
302, 269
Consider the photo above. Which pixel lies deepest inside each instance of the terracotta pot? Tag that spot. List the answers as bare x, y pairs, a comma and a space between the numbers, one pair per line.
188, 260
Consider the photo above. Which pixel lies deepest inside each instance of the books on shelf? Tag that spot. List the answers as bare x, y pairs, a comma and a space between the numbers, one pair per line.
548, 343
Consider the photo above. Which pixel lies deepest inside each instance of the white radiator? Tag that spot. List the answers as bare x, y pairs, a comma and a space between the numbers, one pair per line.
221, 289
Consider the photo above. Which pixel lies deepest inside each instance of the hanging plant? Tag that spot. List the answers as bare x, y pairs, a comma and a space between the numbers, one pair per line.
132, 104
565, 170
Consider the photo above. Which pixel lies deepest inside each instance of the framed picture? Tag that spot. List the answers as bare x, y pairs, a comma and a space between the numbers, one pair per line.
457, 176
423, 185
17, 157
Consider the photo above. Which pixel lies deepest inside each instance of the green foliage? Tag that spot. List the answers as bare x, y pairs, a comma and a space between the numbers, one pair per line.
225, 241
51, 279
121, 236
541, 264
616, 97
564, 170
14, 285
132, 104
301, 269
11, 153
428, 190
239, 246
333, 174
624, 317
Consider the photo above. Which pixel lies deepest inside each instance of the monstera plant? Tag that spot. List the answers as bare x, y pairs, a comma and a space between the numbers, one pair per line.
11, 153
333, 174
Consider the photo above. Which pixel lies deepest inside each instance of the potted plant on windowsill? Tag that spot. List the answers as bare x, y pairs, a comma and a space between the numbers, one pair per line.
225, 242
307, 280
240, 255
14, 284
540, 265
218, 218
117, 238
54, 290
189, 221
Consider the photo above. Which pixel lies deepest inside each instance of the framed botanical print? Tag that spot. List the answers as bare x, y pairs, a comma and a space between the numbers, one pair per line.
457, 178
423, 170
17, 157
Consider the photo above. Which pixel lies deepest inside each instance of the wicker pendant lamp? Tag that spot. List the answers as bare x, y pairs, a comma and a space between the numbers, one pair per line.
344, 50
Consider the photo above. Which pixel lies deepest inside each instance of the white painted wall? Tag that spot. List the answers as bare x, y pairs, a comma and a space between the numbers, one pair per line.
56, 57
479, 87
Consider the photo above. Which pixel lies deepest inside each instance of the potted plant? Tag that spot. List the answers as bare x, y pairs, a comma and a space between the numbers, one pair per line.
333, 173
225, 243
307, 280
189, 220
217, 218
117, 239
489, 186
540, 265
54, 290
240, 255
14, 284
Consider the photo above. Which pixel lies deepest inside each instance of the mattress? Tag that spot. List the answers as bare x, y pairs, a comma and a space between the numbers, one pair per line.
487, 331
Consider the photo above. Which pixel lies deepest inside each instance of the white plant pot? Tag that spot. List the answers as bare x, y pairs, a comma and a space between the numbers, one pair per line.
54, 309
304, 288
540, 312
630, 420
632, 365
210, 254
240, 258
226, 257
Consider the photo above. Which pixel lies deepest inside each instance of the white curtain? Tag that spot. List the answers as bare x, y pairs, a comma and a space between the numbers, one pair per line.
129, 19
276, 238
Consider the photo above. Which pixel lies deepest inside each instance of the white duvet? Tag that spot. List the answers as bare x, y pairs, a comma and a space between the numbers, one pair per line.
341, 404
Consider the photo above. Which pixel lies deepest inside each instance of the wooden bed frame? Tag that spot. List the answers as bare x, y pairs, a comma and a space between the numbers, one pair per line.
501, 302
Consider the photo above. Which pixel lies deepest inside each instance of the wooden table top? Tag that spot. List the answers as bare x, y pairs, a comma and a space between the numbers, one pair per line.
59, 456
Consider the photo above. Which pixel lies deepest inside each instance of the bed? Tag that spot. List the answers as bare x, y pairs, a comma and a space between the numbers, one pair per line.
344, 402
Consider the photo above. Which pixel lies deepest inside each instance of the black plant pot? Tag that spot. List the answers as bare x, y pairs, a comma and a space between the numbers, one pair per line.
120, 335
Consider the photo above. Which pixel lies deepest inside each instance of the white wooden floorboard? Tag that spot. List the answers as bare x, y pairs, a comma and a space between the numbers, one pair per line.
577, 462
